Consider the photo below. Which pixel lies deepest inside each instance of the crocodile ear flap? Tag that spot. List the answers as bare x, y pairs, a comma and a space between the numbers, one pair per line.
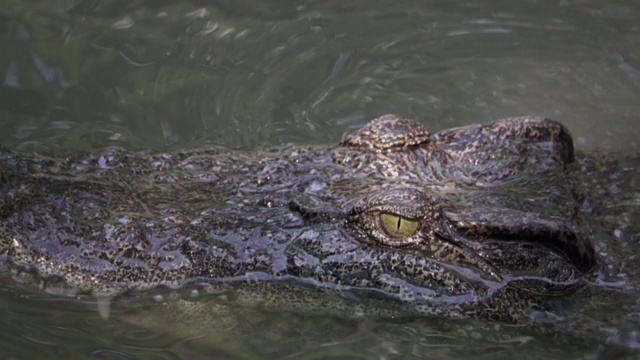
554, 233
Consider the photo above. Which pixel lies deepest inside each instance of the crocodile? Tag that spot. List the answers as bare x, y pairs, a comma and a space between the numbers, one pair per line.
477, 221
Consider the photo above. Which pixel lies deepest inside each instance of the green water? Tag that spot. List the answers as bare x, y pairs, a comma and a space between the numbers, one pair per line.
247, 74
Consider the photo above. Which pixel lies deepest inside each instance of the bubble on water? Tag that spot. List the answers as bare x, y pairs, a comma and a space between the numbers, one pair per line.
102, 163
316, 186
617, 233
614, 189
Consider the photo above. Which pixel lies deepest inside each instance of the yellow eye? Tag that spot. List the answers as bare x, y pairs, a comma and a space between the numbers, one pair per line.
397, 226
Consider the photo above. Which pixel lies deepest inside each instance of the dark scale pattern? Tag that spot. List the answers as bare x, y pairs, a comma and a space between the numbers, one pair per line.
301, 227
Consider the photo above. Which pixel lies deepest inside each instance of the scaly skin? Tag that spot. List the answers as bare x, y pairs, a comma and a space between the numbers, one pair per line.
484, 220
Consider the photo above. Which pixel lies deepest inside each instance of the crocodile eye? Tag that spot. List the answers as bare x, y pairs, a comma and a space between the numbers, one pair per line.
397, 226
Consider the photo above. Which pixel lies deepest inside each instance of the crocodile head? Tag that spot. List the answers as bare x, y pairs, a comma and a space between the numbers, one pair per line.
468, 222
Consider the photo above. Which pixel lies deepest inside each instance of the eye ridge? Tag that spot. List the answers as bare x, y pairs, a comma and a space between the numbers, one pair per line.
398, 226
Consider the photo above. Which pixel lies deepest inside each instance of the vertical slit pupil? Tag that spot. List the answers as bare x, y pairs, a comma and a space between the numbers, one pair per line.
398, 224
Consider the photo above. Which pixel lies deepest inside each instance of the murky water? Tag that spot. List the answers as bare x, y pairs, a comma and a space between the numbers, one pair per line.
246, 74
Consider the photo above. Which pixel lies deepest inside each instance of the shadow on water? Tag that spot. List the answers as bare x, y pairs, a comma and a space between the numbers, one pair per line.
248, 74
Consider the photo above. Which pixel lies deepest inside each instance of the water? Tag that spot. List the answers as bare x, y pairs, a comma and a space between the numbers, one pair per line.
247, 74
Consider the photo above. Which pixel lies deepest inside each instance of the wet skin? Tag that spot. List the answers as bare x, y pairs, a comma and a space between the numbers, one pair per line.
477, 221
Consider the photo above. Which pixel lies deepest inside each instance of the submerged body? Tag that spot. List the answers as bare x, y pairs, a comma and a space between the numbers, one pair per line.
475, 221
